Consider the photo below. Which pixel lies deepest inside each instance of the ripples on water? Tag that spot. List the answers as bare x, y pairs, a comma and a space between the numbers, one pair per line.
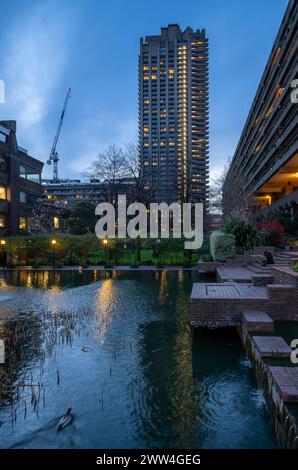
120, 352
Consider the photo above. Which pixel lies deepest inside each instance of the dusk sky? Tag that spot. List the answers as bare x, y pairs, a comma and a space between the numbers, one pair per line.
92, 46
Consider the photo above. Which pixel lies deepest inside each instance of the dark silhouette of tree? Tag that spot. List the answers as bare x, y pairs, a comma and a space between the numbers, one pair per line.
82, 218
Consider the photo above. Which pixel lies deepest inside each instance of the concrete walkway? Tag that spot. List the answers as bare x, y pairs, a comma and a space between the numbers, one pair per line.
234, 273
102, 268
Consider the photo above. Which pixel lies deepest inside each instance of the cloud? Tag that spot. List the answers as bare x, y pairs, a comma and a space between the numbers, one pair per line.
98, 133
33, 63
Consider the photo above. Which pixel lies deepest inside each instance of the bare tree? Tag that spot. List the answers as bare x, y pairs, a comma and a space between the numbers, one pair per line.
228, 196
111, 168
133, 163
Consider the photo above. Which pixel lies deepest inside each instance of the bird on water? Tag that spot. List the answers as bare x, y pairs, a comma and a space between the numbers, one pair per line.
65, 420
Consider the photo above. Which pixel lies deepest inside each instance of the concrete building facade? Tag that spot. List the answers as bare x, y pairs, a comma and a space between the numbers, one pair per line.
20, 183
173, 114
266, 159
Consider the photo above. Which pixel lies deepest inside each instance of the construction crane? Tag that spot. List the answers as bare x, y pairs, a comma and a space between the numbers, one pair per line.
54, 157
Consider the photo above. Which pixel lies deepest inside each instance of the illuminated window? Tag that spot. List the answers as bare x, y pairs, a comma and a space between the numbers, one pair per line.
275, 57
22, 223
2, 192
56, 222
276, 94
2, 221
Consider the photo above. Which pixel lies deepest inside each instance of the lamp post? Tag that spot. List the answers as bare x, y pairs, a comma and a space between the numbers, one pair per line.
54, 243
105, 244
158, 252
3, 243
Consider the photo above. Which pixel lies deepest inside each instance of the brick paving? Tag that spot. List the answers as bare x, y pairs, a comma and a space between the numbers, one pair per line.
286, 379
272, 346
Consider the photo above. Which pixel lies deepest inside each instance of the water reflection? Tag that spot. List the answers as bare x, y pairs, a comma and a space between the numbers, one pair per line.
118, 349
167, 409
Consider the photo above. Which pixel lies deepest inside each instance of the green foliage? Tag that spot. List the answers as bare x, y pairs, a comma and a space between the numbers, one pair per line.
71, 259
295, 267
222, 245
206, 258
82, 250
246, 235
82, 218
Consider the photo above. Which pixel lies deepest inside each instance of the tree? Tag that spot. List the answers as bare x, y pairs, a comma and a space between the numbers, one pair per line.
44, 213
111, 168
228, 195
82, 218
133, 164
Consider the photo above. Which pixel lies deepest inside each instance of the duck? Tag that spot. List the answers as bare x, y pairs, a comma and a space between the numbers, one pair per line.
65, 420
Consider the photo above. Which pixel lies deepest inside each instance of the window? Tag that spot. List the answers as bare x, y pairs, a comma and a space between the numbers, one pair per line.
23, 197
2, 221
2, 164
22, 172
22, 223
33, 176
2, 192
56, 222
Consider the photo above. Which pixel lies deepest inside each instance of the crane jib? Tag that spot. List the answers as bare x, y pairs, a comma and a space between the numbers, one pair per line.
54, 157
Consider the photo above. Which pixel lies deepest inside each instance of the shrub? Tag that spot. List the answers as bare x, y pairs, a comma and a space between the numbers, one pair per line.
206, 257
222, 245
274, 233
295, 267
71, 259
246, 235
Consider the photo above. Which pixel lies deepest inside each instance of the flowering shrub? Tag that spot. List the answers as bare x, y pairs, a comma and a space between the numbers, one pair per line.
274, 233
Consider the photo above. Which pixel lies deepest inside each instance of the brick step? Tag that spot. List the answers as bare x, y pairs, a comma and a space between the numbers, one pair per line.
272, 346
257, 321
257, 268
262, 279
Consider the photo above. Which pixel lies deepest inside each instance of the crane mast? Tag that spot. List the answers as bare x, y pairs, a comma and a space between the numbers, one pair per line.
54, 157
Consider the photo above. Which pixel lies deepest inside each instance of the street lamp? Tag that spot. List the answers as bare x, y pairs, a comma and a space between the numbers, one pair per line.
54, 243
3, 243
105, 244
158, 251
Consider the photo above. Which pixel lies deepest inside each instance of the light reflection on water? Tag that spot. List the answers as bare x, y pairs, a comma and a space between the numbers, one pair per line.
120, 351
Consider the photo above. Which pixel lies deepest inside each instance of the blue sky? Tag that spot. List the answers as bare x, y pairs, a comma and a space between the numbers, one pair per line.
92, 46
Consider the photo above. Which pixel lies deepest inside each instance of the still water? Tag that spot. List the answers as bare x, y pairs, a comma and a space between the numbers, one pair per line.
120, 352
